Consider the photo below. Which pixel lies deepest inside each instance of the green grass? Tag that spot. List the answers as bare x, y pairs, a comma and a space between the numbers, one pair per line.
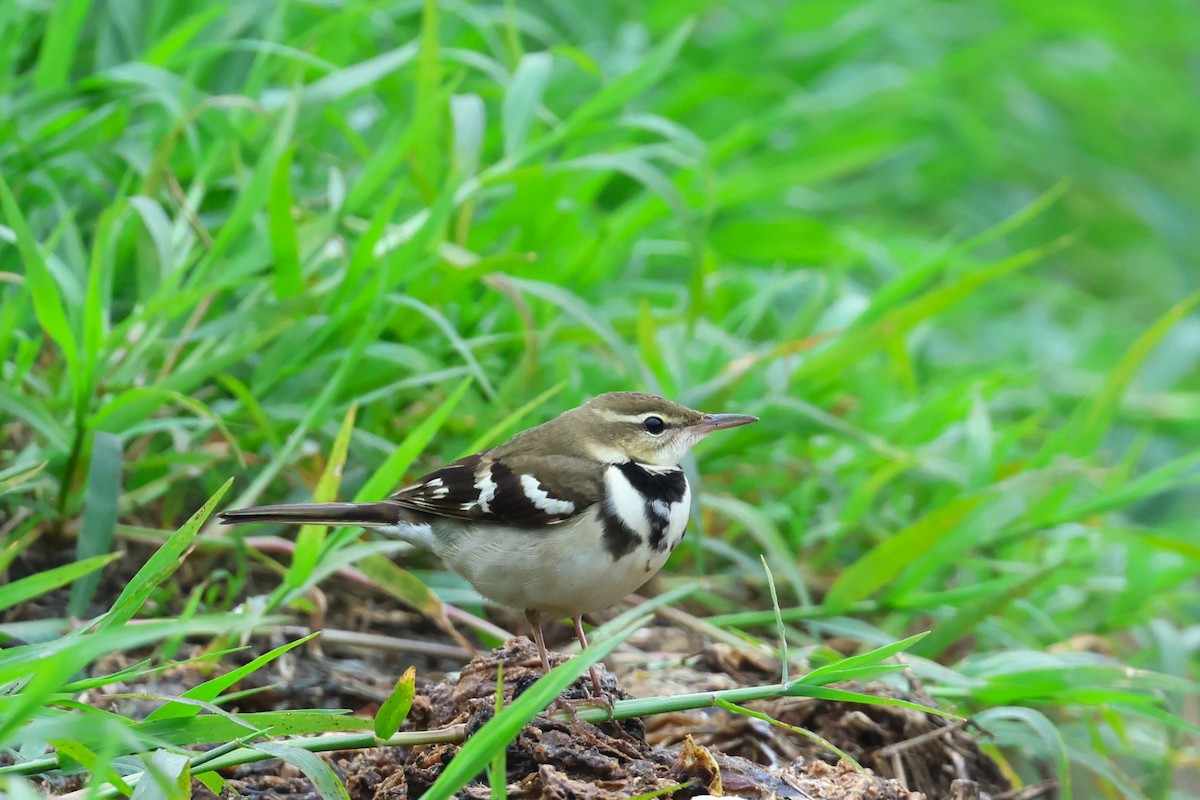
945, 252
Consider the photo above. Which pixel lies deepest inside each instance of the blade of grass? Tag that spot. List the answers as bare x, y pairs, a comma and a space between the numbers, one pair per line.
510, 421
868, 338
1055, 747
60, 44
907, 282
807, 734
18, 474
251, 198
617, 93
47, 298
481, 748
311, 538
99, 516
468, 116
211, 689
404, 586
886, 560
159, 567
90, 760
205, 728
387, 478
286, 248
1088, 426
40, 583
523, 98
313, 766
844, 696
498, 767
170, 777
429, 104
779, 628
832, 672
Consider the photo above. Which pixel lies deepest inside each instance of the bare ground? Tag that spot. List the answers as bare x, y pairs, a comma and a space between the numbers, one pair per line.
906, 754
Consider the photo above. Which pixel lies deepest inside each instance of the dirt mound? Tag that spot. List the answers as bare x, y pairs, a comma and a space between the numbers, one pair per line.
701, 752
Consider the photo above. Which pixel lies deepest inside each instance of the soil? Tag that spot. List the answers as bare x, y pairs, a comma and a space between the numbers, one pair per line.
706, 752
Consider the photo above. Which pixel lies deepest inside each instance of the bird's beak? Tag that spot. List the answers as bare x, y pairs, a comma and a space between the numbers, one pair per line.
716, 422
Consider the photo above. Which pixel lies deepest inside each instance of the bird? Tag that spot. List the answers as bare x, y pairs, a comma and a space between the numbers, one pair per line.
563, 519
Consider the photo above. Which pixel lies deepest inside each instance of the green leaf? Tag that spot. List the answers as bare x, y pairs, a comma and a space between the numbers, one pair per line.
967, 616
182, 34
38, 417
469, 116
17, 788
456, 340
251, 197
510, 421
313, 766
134, 405
844, 696
16, 475
1054, 746
211, 689
44, 682
282, 227
909, 281
886, 560
1086, 429
618, 92
46, 667
40, 583
395, 709
831, 673
69, 750
99, 516
160, 566
344, 82
429, 110
871, 335
523, 98
312, 537
168, 776
47, 299
388, 476
60, 44
209, 728
764, 530
402, 585
810, 735
97, 304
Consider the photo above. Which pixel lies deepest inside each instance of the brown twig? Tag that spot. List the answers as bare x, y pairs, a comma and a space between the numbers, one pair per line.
916, 741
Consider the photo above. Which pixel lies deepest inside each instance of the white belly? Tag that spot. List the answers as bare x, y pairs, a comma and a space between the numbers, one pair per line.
563, 570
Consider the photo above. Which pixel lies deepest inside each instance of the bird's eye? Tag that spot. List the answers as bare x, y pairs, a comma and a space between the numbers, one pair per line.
654, 425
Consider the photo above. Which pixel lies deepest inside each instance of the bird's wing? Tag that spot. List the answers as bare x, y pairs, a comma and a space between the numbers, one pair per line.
518, 490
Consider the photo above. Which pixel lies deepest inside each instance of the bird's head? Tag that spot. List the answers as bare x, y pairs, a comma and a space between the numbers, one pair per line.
631, 426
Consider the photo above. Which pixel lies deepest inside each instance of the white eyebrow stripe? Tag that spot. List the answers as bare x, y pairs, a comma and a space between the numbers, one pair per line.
602, 452
613, 416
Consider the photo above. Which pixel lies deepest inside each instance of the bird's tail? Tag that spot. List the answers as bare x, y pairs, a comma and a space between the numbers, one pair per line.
367, 515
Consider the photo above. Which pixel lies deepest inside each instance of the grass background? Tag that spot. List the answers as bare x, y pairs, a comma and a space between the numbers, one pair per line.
947, 252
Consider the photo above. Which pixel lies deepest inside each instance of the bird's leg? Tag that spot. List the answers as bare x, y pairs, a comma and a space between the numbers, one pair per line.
534, 617
597, 690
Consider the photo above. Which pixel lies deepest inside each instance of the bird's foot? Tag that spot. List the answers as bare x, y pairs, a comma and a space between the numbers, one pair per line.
571, 706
